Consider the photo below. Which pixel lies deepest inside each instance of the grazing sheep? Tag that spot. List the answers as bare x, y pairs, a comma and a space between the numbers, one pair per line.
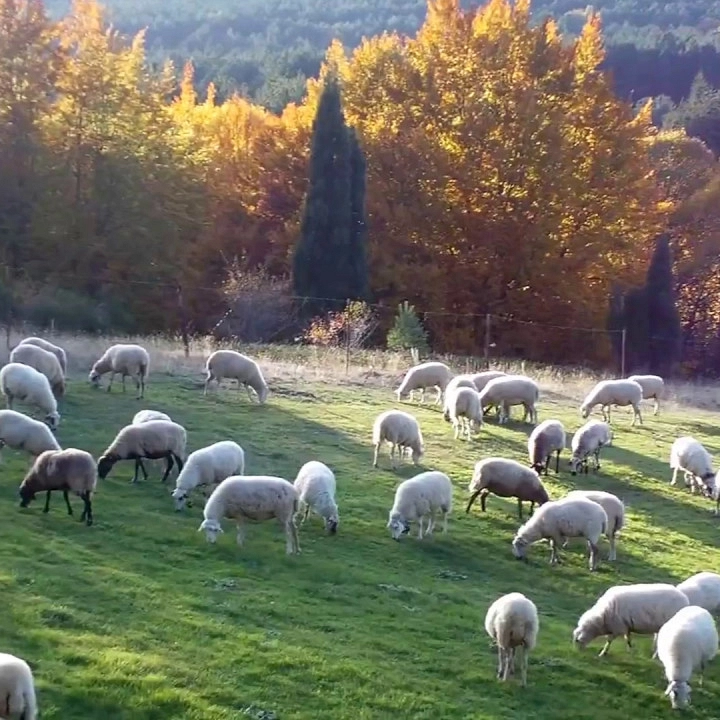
614, 392
506, 478
315, 484
401, 430
418, 498
703, 590
252, 497
481, 379
547, 438
56, 350
230, 364
459, 381
512, 622
21, 432
509, 390
44, 362
462, 408
587, 441
208, 466
560, 519
17, 689
689, 455
66, 470
143, 416
687, 642
423, 376
153, 440
642, 608
21, 382
652, 386
614, 509
128, 360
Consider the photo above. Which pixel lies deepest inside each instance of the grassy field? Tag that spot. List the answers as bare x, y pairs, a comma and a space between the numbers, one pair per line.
138, 617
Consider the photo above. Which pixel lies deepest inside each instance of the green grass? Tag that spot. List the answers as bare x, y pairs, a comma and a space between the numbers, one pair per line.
138, 617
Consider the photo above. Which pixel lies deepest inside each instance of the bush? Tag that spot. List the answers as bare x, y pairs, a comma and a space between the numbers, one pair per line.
349, 327
407, 332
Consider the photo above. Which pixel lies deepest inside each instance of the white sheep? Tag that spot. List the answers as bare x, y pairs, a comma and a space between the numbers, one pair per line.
689, 455
652, 386
589, 440
481, 379
419, 498
512, 622
44, 362
401, 430
426, 375
462, 407
56, 350
546, 438
315, 484
252, 497
128, 360
703, 590
642, 608
208, 467
143, 416
506, 391
20, 432
614, 509
560, 519
686, 643
614, 392
21, 382
233, 365
459, 381
17, 689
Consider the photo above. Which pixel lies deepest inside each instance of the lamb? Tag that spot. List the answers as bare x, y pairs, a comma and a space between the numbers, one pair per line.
230, 364
462, 407
587, 441
547, 438
688, 455
560, 519
642, 608
17, 689
143, 416
21, 382
315, 485
401, 430
509, 390
56, 350
687, 642
66, 470
208, 466
614, 392
423, 376
252, 497
512, 622
614, 509
21, 432
418, 498
703, 590
154, 439
506, 478
44, 362
128, 360
652, 386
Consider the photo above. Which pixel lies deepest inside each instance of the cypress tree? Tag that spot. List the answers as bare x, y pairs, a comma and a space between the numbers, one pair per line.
358, 281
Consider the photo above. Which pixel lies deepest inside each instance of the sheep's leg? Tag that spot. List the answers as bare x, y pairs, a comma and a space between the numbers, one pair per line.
249, 394
654, 646
67, 502
557, 462
375, 455
509, 659
431, 524
123, 383
501, 663
87, 511
141, 386
611, 539
596, 456
170, 464
439, 395
483, 499
422, 395
305, 513
178, 462
392, 455
523, 665
292, 546
674, 476
139, 466
606, 646
593, 556
240, 535
420, 528
456, 425
445, 520
47, 502
628, 640
112, 377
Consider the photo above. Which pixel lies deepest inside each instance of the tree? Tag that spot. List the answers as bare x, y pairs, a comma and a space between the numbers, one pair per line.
407, 332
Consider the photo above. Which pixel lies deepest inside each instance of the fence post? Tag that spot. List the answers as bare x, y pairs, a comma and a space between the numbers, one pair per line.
622, 352
486, 349
183, 321
347, 347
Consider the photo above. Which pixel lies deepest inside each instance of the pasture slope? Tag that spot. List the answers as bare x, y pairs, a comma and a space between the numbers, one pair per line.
139, 618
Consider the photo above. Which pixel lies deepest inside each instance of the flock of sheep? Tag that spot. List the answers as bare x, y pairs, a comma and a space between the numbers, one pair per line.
686, 637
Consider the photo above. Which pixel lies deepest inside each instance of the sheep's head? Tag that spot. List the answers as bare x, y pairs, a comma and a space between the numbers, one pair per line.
94, 377
27, 495
331, 524
105, 464
417, 453
708, 484
398, 526
679, 694
263, 394
212, 529
581, 636
575, 464
180, 497
52, 420
519, 548
584, 410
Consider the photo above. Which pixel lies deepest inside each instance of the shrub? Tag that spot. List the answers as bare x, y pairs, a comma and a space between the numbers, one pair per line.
349, 327
407, 332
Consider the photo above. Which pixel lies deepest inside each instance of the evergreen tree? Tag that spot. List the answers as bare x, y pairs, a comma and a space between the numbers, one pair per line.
358, 281
407, 332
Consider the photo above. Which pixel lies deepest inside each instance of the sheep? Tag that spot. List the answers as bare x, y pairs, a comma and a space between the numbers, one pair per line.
614, 509
560, 519
642, 608
21, 382
652, 386
230, 364
315, 485
128, 360
688, 455
21, 432
481, 379
17, 689
417, 498
588, 440
143, 416
614, 392
703, 590
44, 362
423, 376
512, 622
687, 642
401, 430
462, 407
509, 390
67, 470
154, 439
547, 438
506, 478
252, 497
208, 466
56, 350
